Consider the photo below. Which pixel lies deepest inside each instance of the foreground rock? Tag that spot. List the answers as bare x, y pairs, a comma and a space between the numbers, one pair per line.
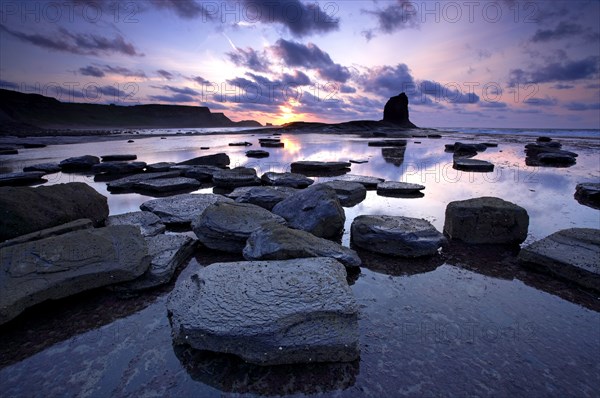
571, 254
218, 159
168, 252
292, 180
238, 308
396, 188
472, 165
226, 226
238, 177
486, 220
158, 167
278, 242
22, 178
200, 173
24, 209
315, 209
265, 197
79, 163
129, 183
148, 223
64, 265
588, 194
76, 225
47, 168
396, 236
348, 193
181, 209
161, 185
315, 168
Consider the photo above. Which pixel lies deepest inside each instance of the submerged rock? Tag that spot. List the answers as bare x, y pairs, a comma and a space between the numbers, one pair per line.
588, 194
25, 209
396, 236
79, 163
22, 178
265, 197
181, 209
238, 308
572, 254
148, 223
348, 193
226, 226
315, 209
218, 159
486, 220
472, 165
238, 177
63, 265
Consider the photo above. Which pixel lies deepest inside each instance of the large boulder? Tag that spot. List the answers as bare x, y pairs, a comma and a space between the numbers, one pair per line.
268, 312
181, 209
278, 242
396, 111
218, 159
486, 220
64, 265
226, 226
396, 236
148, 223
588, 194
24, 209
292, 180
315, 209
572, 254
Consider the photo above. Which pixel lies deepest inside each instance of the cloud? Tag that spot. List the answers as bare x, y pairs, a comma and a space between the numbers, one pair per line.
167, 75
199, 79
102, 70
91, 71
562, 31
310, 56
547, 101
178, 90
395, 17
387, 80
560, 86
249, 58
172, 98
493, 104
580, 106
186, 9
76, 43
8, 85
451, 92
586, 68
297, 79
345, 89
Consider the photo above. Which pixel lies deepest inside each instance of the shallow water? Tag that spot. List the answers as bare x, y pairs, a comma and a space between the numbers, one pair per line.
469, 322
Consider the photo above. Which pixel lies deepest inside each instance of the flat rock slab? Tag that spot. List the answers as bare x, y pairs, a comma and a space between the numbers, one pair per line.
268, 312
177, 184
572, 254
384, 143
76, 225
124, 157
265, 197
393, 188
218, 159
22, 178
200, 173
128, 183
278, 242
238, 177
47, 168
396, 236
588, 194
556, 158
64, 265
9, 151
181, 209
148, 223
240, 143
79, 163
240, 191
158, 167
257, 154
118, 167
315, 209
348, 193
168, 252
24, 209
314, 167
367, 181
226, 226
486, 220
292, 180
472, 165
272, 144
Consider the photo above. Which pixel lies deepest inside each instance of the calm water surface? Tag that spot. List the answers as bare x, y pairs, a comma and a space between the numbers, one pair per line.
468, 323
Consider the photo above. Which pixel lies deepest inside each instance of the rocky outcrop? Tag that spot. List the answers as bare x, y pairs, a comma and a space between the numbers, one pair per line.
181, 209
571, 254
486, 220
396, 111
64, 265
396, 236
239, 308
148, 223
226, 226
292, 180
278, 242
588, 194
24, 209
218, 159
315, 209
548, 153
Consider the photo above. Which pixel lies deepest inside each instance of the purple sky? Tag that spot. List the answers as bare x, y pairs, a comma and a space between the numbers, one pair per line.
462, 63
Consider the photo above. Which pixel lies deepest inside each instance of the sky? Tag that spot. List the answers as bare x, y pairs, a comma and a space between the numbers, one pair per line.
494, 64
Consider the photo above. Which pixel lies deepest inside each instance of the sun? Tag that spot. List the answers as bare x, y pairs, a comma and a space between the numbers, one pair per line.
287, 113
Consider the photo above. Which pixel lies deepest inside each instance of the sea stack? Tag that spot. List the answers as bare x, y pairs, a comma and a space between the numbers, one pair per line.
396, 111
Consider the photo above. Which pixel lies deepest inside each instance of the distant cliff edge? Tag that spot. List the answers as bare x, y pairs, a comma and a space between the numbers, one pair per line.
20, 112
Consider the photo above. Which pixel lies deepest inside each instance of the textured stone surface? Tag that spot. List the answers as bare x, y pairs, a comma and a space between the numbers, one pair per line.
572, 254
278, 242
181, 209
305, 166
268, 312
367, 181
25, 209
168, 252
238, 177
398, 188
45, 167
22, 178
588, 194
148, 223
396, 236
79, 163
218, 159
118, 167
292, 180
348, 193
168, 184
76, 225
486, 220
129, 182
315, 209
226, 226
67, 264
200, 173
472, 165
265, 197
158, 167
